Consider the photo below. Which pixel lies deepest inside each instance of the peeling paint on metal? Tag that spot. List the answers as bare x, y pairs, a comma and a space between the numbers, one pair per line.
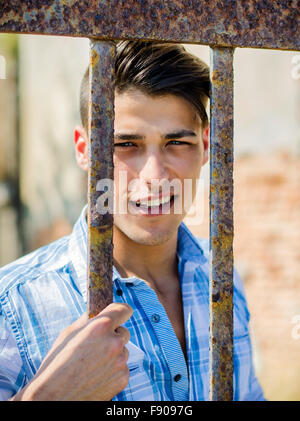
221, 225
100, 227
256, 24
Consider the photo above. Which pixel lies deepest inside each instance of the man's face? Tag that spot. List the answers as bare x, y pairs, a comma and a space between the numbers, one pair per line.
159, 140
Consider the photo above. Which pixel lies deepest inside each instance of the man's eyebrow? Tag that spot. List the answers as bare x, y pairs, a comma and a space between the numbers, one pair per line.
178, 134
128, 136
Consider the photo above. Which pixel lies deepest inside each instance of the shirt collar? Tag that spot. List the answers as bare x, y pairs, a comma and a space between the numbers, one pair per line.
78, 251
188, 249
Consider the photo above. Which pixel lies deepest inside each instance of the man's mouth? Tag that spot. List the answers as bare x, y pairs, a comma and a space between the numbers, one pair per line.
154, 206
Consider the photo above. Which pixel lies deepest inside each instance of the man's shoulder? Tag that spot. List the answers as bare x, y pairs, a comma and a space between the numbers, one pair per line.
203, 243
52, 257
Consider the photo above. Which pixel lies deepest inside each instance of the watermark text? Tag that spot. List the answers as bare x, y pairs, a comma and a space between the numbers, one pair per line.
295, 72
136, 197
2, 67
295, 333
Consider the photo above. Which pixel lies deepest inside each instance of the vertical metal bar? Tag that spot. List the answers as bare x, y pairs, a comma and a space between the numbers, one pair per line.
100, 153
221, 225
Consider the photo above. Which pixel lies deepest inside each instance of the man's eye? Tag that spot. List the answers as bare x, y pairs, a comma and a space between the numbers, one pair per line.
124, 144
178, 142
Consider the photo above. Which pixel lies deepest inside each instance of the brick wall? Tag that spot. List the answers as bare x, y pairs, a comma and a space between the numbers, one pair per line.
267, 255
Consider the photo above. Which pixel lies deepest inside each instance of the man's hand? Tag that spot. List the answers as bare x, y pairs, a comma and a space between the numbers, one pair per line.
88, 361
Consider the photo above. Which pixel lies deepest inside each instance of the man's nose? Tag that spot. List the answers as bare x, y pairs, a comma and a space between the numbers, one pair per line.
153, 167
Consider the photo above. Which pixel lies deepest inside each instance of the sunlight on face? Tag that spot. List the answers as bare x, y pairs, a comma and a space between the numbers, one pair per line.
157, 139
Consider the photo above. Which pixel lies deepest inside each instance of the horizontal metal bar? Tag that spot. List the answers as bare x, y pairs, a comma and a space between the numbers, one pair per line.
100, 152
233, 23
221, 225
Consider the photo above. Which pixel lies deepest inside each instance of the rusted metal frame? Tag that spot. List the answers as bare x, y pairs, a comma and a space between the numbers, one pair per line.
100, 246
100, 155
260, 23
238, 23
221, 225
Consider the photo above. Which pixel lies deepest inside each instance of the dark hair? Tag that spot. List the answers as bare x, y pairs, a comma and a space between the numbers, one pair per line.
156, 68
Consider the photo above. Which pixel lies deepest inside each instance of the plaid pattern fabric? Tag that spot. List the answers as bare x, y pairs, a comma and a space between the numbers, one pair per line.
44, 292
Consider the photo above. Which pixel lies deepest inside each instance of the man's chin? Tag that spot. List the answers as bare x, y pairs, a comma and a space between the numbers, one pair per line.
151, 237
153, 240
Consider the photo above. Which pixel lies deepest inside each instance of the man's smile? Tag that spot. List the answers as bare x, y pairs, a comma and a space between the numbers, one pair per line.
152, 206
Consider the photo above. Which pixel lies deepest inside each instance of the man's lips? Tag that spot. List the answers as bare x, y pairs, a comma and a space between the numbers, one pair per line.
134, 197
152, 207
151, 201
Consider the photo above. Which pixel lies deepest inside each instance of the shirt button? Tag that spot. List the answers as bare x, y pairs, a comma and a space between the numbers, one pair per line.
129, 284
119, 292
177, 377
155, 318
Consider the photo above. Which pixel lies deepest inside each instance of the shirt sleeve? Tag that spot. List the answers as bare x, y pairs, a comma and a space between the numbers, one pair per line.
12, 376
255, 392
251, 388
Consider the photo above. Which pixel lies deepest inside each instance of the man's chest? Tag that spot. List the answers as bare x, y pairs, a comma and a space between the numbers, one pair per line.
174, 309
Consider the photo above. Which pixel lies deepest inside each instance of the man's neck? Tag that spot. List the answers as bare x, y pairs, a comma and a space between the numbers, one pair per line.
155, 264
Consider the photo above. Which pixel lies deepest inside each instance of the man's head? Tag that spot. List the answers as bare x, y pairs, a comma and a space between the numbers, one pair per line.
161, 134
156, 69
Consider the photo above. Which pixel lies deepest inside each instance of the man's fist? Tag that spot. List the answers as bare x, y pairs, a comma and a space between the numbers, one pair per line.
88, 360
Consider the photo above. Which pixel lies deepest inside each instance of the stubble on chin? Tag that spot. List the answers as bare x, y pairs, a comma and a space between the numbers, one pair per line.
145, 237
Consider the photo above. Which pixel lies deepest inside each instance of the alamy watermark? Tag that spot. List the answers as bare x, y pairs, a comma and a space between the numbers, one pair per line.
295, 72
295, 333
2, 67
159, 197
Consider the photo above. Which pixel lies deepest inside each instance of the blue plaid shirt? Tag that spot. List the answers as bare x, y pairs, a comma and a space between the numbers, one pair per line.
44, 292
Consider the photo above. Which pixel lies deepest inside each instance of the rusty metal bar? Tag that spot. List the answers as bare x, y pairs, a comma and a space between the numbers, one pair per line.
221, 225
100, 153
238, 23
255, 24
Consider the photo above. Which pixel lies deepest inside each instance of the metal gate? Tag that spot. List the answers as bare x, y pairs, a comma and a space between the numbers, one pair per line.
223, 25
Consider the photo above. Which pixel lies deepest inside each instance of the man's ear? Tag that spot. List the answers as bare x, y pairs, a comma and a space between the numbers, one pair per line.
81, 147
205, 138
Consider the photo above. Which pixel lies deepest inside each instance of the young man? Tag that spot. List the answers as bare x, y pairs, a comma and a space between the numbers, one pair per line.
49, 349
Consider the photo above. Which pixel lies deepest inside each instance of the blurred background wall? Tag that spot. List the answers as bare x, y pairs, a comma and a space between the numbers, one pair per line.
42, 191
